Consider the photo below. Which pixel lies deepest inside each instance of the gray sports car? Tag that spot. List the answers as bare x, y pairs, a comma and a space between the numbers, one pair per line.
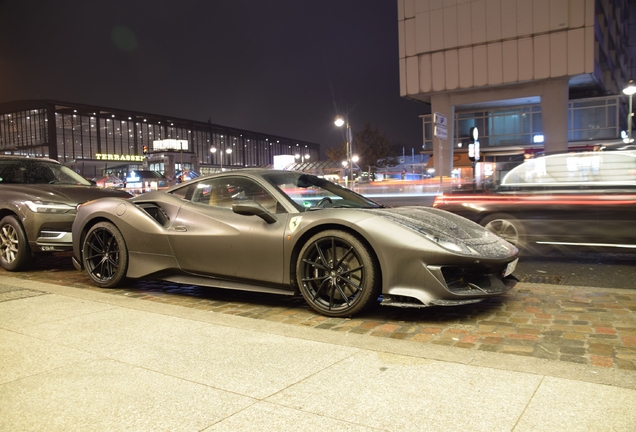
286, 232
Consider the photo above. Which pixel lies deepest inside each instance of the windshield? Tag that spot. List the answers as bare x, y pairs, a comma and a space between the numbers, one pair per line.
574, 170
309, 192
33, 171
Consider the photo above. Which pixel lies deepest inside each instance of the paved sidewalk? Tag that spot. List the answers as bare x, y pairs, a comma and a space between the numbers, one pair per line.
79, 359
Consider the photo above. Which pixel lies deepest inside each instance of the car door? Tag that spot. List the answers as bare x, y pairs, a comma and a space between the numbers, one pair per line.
208, 238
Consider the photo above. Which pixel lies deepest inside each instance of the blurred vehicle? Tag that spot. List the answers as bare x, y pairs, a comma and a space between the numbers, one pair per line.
287, 232
38, 198
575, 200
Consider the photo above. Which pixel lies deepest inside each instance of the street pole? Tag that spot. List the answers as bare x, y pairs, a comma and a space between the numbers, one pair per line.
629, 120
350, 175
630, 90
344, 121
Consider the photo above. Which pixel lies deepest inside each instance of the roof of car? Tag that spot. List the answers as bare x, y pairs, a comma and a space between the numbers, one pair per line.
19, 157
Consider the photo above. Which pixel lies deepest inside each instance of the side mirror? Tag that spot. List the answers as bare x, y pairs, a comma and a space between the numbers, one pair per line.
254, 209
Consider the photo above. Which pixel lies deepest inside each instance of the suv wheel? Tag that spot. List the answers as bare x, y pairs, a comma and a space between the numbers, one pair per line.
15, 253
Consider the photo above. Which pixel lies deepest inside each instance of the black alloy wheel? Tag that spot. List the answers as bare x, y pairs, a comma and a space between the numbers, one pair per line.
337, 274
15, 253
105, 255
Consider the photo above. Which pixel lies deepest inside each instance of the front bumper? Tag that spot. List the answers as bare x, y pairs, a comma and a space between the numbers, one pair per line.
456, 286
54, 241
49, 232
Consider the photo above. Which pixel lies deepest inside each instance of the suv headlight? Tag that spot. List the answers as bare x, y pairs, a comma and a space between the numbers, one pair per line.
48, 207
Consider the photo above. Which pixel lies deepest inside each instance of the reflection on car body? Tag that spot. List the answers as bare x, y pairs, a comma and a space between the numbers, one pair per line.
38, 198
582, 200
288, 232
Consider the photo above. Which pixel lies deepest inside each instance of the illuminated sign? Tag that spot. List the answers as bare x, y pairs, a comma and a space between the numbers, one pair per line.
133, 178
473, 151
170, 144
119, 157
283, 161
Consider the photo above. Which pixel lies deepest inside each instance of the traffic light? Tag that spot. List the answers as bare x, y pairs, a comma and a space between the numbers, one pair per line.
145, 149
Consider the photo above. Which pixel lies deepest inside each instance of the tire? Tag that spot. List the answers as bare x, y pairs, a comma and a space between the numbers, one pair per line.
505, 226
338, 287
15, 253
105, 256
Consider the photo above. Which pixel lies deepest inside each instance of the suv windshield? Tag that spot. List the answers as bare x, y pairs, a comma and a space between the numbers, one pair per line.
309, 192
34, 171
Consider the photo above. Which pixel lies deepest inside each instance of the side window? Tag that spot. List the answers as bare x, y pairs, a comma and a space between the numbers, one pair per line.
255, 192
201, 193
181, 192
223, 192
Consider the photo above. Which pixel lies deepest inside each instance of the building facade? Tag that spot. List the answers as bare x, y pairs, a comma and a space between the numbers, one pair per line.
530, 75
106, 142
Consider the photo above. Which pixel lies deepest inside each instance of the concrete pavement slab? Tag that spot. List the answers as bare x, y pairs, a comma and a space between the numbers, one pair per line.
106, 395
265, 416
250, 363
24, 356
402, 393
107, 331
25, 312
573, 406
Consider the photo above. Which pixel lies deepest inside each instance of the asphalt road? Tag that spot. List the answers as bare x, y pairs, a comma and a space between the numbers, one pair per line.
587, 269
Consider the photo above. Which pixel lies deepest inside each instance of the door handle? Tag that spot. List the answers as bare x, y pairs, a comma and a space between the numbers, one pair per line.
180, 228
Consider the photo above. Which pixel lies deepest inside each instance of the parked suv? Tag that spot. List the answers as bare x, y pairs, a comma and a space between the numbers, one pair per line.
38, 201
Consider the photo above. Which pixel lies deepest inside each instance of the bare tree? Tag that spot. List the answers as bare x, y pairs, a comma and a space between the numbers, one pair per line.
370, 144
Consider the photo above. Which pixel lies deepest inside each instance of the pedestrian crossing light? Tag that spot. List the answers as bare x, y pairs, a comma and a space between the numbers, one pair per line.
145, 149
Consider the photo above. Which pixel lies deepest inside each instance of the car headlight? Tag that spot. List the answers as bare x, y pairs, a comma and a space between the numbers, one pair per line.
451, 245
48, 207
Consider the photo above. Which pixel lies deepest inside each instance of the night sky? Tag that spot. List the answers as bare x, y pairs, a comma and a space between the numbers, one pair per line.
274, 66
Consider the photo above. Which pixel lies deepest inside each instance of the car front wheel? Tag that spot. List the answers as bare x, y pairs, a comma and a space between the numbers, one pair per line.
15, 253
337, 274
105, 255
506, 227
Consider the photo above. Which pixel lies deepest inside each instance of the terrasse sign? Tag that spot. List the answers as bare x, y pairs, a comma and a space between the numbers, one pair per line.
119, 157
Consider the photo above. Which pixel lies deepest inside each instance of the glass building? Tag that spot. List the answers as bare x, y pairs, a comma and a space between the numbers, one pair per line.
590, 122
532, 76
98, 141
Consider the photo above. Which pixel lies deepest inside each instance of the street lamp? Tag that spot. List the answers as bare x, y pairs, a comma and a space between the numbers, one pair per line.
302, 157
629, 91
227, 150
340, 121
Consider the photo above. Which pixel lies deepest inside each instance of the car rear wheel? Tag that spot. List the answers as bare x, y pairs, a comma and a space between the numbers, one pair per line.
15, 253
105, 255
337, 274
505, 226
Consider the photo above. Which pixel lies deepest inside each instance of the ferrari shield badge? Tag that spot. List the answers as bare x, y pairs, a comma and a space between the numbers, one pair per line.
294, 222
